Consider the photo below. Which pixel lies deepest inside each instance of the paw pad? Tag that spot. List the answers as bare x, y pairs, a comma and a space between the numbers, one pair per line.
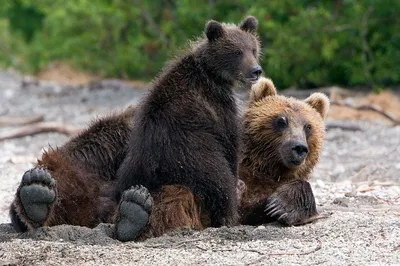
37, 193
134, 212
38, 175
139, 195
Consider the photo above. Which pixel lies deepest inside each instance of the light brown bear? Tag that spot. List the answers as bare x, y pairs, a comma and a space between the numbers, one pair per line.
283, 140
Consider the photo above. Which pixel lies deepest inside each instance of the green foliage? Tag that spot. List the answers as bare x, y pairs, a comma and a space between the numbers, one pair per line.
305, 43
24, 18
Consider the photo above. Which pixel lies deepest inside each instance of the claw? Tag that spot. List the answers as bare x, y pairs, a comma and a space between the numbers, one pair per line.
274, 211
283, 216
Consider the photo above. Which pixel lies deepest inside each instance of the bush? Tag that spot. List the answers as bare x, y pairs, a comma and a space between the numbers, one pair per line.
305, 43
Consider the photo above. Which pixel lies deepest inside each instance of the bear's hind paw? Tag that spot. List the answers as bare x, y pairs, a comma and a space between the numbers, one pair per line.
36, 195
133, 213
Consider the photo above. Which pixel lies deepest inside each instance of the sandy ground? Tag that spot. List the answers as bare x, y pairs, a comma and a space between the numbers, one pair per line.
357, 182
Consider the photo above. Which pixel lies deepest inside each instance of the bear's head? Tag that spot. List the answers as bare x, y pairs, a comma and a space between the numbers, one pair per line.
283, 136
232, 51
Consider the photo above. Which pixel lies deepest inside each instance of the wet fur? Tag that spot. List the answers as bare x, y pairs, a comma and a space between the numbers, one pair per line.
174, 206
191, 115
262, 169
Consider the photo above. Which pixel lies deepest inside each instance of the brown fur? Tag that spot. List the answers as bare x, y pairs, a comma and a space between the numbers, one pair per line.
263, 168
81, 195
193, 99
84, 170
264, 175
86, 194
174, 207
186, 130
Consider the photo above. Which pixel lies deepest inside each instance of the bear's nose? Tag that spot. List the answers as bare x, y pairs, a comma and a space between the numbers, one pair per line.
256, 72
300, 149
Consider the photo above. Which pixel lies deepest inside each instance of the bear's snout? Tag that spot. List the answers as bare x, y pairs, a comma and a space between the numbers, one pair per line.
294, 153
299, 149
256, 72
253, 72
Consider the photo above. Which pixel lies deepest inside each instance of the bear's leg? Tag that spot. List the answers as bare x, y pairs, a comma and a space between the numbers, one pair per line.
175, 206
139, 217
292, 204
83, 197
133, 213
78, 198
221, 200
34, 199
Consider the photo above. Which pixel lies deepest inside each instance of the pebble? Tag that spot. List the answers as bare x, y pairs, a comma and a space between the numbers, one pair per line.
320, 184
339, 169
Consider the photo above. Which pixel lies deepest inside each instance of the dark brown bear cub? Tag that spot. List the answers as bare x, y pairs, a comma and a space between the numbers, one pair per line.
185, 132
183, 139
283, 140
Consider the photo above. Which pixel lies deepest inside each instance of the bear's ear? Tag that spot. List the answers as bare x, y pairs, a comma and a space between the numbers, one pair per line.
249, 24
263, 88
319, 102
214, 30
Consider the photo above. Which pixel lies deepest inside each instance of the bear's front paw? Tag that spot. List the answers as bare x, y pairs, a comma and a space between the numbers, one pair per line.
292, 204
133, 213
36, 193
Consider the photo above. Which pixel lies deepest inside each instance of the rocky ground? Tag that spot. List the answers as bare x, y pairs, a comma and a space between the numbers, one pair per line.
357, 182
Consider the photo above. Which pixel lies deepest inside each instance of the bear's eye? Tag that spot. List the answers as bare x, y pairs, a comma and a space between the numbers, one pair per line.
308, 129
281, 122
255, 52
238, 52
